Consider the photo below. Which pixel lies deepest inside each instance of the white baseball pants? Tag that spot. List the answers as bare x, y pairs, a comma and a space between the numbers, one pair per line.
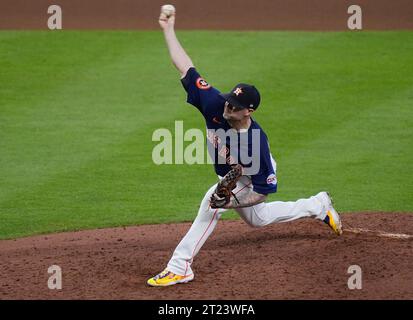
258, 215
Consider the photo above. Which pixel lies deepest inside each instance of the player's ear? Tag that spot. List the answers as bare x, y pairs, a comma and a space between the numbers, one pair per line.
250, 110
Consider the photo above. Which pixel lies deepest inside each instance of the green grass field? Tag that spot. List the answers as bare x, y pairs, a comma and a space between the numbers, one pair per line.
78, 109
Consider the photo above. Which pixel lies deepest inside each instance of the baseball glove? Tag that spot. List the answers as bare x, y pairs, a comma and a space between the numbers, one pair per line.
223, 191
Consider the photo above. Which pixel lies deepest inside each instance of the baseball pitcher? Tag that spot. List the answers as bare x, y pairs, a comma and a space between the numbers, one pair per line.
242, 160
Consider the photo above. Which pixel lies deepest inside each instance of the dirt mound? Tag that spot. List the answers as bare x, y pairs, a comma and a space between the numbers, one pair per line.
298, 260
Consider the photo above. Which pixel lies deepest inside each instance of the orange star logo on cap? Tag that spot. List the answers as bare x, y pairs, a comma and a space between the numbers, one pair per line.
237, 91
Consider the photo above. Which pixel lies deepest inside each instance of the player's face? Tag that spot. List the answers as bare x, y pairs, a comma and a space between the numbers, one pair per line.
233, 113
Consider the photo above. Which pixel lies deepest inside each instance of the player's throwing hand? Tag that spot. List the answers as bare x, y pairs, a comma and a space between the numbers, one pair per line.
167, 17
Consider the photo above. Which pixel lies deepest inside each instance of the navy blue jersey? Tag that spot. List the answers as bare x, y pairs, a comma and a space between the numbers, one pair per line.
260, 166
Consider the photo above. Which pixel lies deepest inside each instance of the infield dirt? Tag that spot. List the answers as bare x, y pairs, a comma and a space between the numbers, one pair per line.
297, 260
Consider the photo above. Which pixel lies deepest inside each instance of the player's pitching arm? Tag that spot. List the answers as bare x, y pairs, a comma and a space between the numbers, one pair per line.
246, 200
178, 55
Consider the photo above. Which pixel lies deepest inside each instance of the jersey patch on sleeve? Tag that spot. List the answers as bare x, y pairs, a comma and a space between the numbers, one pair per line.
202, 84
272, 179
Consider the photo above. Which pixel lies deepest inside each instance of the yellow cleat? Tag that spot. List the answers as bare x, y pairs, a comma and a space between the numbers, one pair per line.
333, 220
167, 278
332, 217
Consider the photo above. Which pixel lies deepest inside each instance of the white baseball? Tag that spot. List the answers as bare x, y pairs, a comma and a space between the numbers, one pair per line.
168, 10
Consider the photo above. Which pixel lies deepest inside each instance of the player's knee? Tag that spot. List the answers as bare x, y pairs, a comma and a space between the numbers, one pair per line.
255, 223
209, 213
258, 223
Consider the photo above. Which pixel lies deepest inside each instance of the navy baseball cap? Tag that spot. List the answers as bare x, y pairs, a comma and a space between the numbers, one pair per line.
243, 96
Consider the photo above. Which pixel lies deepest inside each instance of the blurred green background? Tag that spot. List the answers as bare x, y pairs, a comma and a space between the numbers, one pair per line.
78, 110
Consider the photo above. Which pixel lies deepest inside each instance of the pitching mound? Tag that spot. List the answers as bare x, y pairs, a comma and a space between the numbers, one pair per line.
298, 260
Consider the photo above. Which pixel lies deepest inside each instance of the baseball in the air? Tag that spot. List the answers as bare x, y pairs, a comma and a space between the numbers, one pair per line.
168, 10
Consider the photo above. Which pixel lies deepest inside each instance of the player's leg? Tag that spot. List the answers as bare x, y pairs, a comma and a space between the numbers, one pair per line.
283, 211
196, 236
179, 267
317, 207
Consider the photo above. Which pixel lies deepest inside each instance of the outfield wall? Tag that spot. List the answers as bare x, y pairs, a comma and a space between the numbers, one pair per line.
211, 14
